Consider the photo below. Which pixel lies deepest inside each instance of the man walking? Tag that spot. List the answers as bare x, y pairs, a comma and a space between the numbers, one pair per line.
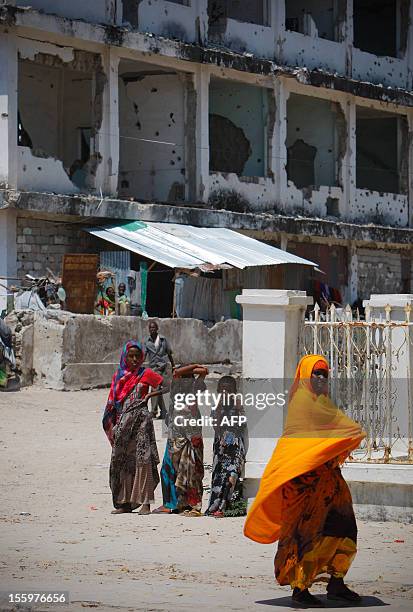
158, 351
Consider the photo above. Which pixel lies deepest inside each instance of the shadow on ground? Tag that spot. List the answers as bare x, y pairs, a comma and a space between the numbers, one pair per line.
286, 602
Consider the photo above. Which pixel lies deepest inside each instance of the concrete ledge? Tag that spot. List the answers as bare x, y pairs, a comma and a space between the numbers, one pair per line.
381, 492
79, 376
377, 501
379, 473
73, 207
273, 297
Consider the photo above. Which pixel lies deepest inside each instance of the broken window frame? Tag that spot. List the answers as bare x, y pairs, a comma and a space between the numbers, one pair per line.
96, 92
402, 135
266, 15
338, 149
187, 188
308, 27
400, 39
268, 107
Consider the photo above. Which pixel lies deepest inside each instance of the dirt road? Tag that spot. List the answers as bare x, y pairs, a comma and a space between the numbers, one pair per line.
57, 531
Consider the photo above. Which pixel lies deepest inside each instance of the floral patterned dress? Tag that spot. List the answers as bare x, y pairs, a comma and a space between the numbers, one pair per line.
133, 471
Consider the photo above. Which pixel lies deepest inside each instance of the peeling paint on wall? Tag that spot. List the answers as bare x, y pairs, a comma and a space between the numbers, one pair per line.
29, 49
316, 130
378, 272
238, 136
229, 148
43, 173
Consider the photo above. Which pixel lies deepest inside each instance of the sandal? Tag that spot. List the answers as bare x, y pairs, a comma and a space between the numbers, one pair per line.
193, 513
345, 595
338, 591
162, 510
305, 598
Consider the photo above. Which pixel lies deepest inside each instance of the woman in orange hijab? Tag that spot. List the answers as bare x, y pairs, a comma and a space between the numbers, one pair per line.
303, 500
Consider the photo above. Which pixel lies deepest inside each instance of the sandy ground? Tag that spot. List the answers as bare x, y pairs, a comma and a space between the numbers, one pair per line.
54, 461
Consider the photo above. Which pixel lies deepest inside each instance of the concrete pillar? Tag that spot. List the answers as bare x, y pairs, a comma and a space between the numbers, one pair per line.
270, 343
397, 302
353, 267
202, 16
8, 253
201, 80
348, 163
277, 16
349, 37
279, 149
398, 360
8, 110
284, 242
107, 140
118, 12
409, 48
410, 165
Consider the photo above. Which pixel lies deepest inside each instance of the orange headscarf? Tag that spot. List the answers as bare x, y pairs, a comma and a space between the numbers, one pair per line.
315, 432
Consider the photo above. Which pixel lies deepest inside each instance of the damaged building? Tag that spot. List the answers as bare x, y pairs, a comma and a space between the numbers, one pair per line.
287, 121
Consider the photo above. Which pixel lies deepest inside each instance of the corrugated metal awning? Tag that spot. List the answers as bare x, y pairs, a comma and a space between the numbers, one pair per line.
186, 246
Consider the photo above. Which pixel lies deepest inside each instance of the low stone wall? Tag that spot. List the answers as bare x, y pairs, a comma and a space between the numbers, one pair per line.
65, 351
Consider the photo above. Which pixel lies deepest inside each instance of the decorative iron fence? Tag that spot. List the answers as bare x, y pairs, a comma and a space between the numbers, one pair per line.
370, 375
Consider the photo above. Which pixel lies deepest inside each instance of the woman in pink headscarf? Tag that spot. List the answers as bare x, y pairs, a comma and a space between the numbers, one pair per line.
129, 428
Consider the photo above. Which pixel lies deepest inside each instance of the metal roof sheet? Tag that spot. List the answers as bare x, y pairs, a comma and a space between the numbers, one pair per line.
186, 246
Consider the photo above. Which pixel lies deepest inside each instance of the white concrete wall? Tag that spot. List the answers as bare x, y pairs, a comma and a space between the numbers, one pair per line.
390, 71
42, 174
8, 254
302, 50
258, 193
392, 208
249, 37
8, 110
169, 19
312, 201
97, 11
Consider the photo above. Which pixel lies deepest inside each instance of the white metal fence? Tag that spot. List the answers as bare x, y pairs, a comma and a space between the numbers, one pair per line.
370, 375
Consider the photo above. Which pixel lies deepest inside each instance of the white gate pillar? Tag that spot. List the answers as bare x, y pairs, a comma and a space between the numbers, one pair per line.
270, 343
393, 308
398, 309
